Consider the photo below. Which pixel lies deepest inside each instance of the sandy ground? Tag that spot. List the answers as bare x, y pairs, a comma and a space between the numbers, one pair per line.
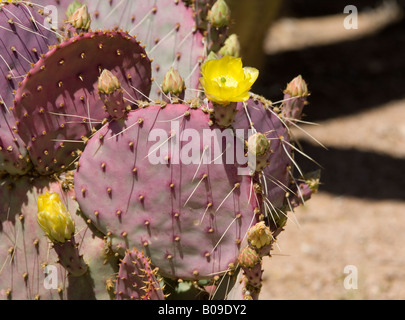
332, 232
358, 217
335, 232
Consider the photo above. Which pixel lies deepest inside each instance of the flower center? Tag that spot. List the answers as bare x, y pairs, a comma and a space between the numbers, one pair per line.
226, 81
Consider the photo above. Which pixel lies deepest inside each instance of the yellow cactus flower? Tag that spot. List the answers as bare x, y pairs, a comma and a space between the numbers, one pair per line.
225, 80
54, 219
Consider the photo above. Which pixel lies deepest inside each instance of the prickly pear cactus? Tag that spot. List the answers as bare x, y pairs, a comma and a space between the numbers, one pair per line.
58, 104
135, 163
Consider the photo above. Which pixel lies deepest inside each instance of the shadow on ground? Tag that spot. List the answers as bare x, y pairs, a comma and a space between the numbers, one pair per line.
356, 173
344, 78
316, 8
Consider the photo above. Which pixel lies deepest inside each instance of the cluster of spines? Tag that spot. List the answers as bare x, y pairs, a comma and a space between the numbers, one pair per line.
137, 280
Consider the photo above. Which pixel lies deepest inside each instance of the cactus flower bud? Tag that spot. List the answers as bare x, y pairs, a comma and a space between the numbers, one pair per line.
220, 14
295, 96
108, 83
109, 88
259, 151
231, 47
73, 6
258, 144
54, 219
313, 180
297, 88
173, 83
259, 235
248, 258
81, 18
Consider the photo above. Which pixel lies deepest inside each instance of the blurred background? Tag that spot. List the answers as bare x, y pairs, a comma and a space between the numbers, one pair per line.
357, 81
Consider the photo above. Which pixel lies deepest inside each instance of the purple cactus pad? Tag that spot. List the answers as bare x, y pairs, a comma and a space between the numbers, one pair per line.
190, 219
58, 104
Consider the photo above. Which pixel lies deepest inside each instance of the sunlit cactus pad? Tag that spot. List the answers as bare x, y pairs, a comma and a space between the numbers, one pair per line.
189, 218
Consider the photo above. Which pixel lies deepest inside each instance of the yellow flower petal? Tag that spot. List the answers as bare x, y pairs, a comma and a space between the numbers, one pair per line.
243, 97
54, 219
253, 73
225, 80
